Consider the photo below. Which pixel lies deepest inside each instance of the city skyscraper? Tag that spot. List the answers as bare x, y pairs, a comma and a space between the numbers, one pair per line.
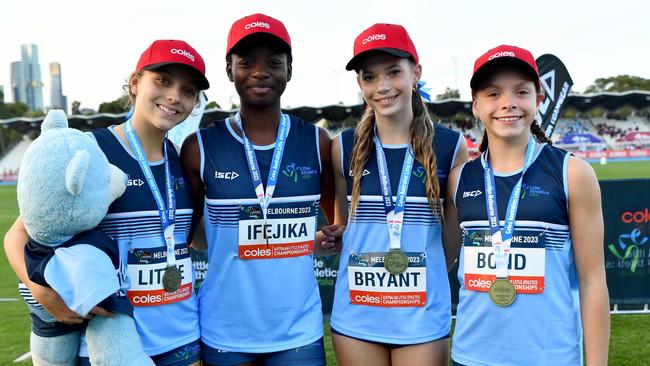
17, 84
57, 99
2, 94
26, 83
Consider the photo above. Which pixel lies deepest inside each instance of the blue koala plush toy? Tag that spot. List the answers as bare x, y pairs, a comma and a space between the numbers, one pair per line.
65, 187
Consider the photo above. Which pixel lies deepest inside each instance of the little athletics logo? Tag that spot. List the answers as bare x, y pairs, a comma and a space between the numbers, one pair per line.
295, 171
629, 245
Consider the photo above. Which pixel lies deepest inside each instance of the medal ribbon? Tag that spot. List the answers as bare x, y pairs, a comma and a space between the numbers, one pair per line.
394, 212
265, 196
167, 215
501, 238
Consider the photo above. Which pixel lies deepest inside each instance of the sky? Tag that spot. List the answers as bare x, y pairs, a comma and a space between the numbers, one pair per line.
98, 43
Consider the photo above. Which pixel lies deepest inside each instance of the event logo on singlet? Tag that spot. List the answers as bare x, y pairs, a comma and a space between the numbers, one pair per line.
290, 230
371, 284
146, 268
526, 261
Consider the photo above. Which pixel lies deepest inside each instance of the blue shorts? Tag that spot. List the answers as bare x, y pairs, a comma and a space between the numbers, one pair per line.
387, 345
180, 356
312, 354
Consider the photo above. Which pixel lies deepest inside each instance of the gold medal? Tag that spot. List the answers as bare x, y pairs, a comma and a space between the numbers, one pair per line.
172, 279
502, 292
395, 262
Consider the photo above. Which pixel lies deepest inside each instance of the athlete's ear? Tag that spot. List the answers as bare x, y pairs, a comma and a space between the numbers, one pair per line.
417, 73
134, 80
229, 68
289, 71
540, 98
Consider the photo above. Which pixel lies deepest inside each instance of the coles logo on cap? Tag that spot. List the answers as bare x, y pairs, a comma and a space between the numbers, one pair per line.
170, 51
391, 38
502, 54
374, 37
256, 23
182, 52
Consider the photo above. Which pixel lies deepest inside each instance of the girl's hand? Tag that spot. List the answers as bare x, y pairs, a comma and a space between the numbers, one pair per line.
101, 312
54, 305
329, 238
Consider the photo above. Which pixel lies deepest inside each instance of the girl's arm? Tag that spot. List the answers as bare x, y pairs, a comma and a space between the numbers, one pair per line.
191, 163
451, 231
14, 243
330, 237
587, 233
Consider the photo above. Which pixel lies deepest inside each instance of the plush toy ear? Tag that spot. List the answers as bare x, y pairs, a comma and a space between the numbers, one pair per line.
55, 118
75, 172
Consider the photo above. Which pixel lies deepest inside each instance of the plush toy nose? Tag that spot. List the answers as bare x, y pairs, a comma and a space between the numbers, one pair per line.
117, 183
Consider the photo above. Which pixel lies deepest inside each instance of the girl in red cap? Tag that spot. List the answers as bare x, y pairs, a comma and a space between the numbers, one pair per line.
392, 303
257, 179
531, 259
164, 90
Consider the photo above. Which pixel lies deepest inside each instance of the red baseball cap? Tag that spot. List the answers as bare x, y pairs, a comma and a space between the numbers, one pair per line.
257, 24
391, 38
169, 51
504, 55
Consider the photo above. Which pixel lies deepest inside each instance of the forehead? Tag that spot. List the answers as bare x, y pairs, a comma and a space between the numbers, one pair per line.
505, 76
377, 61
181, 73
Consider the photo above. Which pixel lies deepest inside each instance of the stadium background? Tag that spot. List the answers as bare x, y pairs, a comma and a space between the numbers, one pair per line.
612, 131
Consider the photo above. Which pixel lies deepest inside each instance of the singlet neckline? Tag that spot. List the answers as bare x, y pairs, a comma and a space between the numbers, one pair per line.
128, 150
542, 146
256, 147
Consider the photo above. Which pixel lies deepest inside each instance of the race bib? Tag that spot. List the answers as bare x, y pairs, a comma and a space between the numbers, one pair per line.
146, 268
290, 231
371, 284
526, 261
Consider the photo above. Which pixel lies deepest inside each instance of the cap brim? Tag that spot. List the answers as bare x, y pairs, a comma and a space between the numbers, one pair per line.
201, 81
262, 37
355, 62
491, 66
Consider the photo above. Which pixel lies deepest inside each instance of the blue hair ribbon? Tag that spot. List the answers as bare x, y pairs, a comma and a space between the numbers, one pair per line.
424, 92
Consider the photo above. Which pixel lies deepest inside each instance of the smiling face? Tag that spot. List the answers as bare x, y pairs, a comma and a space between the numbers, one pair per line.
387, 83
507, 104
260, 74
164, 97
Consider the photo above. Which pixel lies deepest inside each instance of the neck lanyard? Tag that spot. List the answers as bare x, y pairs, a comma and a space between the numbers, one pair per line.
501, 238
265, 196
394, 212
167, 215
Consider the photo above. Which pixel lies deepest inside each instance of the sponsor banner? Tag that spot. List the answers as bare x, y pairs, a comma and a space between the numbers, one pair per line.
290, 231
160, 297
199, 266
612, 154
371, 284
326, 270
523, 284
626, 210
556, 82
276, 250
580, 138
635, 137
401, 299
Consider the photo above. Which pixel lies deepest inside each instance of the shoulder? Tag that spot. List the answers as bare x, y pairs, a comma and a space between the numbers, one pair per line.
444, 132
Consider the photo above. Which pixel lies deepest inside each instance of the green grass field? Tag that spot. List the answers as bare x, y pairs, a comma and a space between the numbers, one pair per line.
629, 335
